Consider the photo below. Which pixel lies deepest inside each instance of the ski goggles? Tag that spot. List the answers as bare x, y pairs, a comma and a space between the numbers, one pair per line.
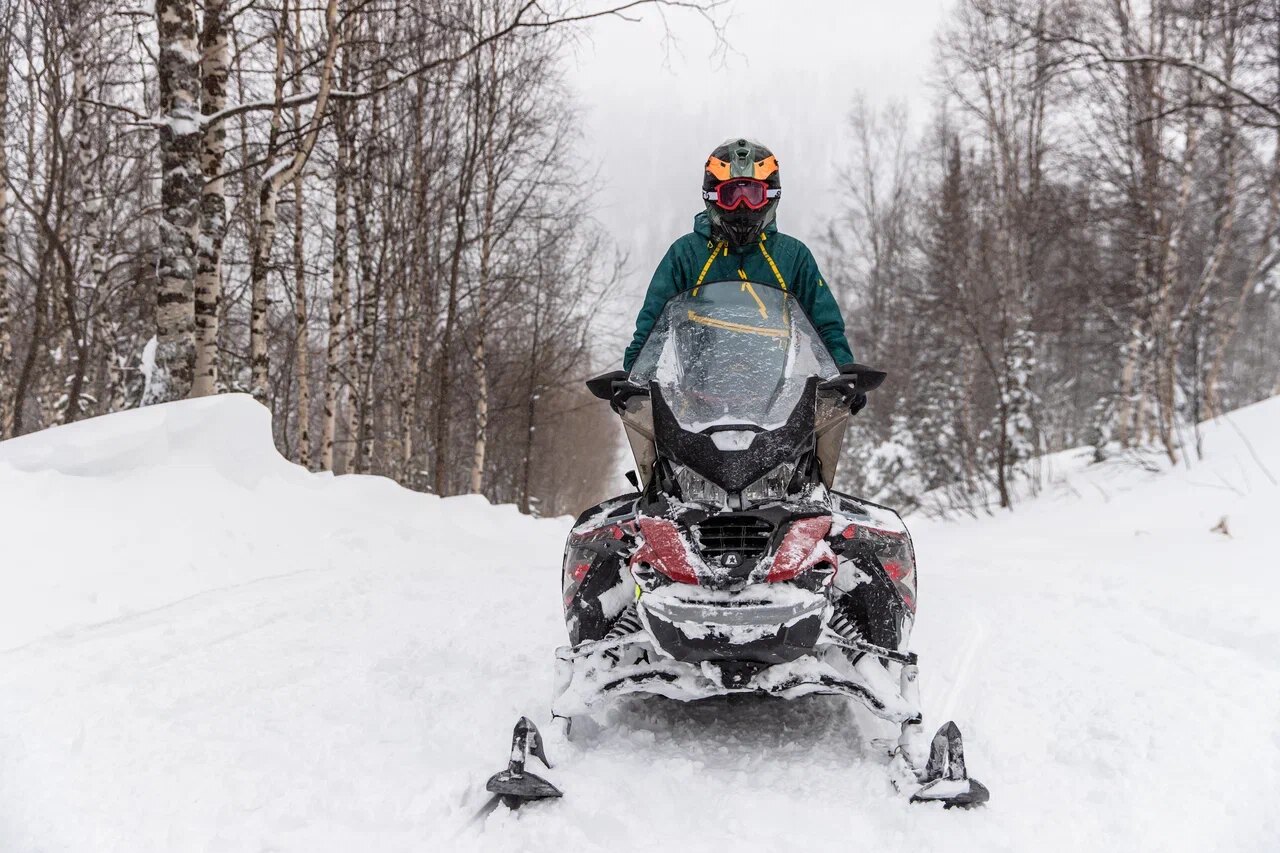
730, 194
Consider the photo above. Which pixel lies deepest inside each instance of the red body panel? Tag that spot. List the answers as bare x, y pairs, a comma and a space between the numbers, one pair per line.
665, 549
799, 551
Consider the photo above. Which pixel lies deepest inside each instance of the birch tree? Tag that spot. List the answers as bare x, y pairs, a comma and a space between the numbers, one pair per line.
6, 340
214, 73
338, 295
279, 173
180, 132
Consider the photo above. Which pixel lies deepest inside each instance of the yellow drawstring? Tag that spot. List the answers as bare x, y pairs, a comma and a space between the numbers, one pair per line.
723, 246
781, 281
710, 259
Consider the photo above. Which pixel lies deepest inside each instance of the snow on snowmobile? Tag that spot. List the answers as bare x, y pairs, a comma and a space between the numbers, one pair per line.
735, 567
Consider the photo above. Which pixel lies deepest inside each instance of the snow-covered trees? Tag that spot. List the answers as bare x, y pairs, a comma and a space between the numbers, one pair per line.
76, 177
1093, 212
439, 269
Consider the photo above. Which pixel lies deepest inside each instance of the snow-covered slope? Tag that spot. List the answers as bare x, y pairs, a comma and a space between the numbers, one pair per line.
203, 647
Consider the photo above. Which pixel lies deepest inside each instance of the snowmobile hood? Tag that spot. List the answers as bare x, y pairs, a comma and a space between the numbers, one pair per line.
702, 227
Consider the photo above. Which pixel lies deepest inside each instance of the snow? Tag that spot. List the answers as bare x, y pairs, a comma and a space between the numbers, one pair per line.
183, 48
204, 647
151, 379
276, 168
181, 123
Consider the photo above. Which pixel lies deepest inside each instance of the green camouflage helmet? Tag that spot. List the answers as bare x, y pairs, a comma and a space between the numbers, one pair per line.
740, 158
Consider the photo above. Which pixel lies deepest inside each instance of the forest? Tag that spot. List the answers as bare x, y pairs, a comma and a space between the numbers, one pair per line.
1080, 249
374, 216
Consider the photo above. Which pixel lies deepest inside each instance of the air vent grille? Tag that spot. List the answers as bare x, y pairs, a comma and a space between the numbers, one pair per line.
746, 536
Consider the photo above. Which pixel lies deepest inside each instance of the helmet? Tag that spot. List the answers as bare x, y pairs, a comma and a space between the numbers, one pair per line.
741, 158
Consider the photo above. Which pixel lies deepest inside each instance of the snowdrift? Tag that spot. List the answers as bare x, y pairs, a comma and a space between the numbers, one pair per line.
205, 647
121, 514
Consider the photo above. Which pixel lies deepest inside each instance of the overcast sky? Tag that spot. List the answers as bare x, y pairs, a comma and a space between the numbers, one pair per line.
653, 112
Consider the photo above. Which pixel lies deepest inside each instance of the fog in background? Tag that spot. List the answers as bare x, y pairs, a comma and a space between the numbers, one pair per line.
653, 107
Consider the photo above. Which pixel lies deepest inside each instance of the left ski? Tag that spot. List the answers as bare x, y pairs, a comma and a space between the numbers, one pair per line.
516, 786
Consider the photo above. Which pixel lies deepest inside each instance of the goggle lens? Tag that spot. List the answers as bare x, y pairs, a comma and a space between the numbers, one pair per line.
730, 194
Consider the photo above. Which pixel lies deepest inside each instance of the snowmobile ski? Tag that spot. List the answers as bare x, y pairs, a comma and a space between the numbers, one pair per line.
945, 778
516, 786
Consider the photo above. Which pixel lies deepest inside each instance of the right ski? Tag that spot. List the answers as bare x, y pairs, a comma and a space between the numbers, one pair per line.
945, 777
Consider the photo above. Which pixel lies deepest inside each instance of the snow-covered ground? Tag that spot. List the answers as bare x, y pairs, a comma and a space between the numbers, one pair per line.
203, 647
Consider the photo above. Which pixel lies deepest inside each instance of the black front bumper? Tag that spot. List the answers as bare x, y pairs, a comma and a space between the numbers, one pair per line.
756, 627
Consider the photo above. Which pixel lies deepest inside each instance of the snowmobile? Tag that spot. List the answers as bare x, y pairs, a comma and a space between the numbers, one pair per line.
735, 567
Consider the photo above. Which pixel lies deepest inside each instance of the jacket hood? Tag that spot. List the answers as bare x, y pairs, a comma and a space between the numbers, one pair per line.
702, 227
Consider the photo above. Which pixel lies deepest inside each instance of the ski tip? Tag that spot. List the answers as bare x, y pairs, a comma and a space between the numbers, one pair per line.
949, 730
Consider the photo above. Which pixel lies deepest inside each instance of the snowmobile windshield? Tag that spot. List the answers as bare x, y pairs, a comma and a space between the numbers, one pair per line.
732, 353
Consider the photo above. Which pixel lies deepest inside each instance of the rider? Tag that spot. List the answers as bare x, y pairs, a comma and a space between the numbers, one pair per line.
737, 238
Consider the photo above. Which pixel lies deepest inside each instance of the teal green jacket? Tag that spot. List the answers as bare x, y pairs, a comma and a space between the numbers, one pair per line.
777, 260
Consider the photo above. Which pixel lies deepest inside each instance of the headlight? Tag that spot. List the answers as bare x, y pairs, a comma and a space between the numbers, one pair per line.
770, 487
695, 487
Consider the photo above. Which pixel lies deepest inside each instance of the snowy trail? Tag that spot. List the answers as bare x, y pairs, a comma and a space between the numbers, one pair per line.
338, 668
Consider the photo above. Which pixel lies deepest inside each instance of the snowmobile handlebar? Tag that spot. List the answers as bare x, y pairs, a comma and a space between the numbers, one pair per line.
853, 383
615, 387
855, 377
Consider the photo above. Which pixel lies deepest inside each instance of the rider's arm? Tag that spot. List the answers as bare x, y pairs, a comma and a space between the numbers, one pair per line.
662, 286
821, 306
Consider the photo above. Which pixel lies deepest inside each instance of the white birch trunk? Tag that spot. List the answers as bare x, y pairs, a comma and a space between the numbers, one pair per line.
338, 294
360, 451
1166, 365
373, 304
355, 401
279, 174
302, 345
1235, 313
482, 407
259, 361
265, 232
6, 341
408, 384
180, 135
479, 447
214, 70
87, 200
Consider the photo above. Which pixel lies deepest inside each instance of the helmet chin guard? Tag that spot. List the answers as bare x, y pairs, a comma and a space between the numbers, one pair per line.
740, 228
